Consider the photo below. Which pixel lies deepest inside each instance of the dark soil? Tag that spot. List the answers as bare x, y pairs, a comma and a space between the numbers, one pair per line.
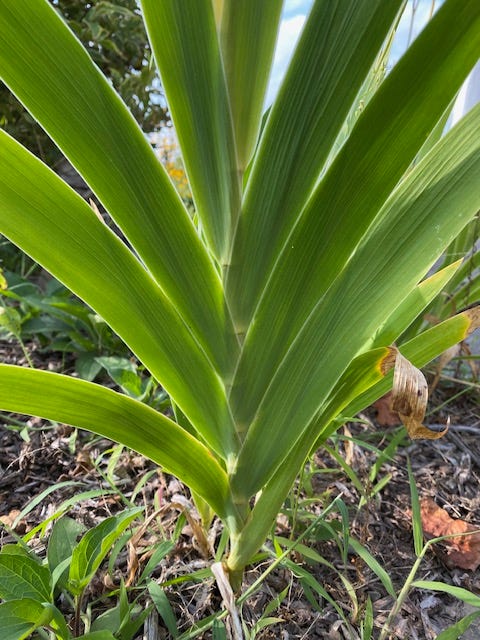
42, 456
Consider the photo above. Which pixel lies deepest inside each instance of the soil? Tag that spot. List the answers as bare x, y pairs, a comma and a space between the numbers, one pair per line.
41, 457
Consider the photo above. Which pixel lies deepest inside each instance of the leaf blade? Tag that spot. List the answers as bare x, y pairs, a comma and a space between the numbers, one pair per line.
19, 618
46, 218
192, 75
354, 190
98, 409
248, 33
383, 270
89, 553
317, 93
96, 132
22, 576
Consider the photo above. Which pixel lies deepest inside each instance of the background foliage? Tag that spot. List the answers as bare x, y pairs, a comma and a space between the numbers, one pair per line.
114, 35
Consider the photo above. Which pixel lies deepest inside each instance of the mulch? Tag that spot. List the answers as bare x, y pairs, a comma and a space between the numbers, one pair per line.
34, 460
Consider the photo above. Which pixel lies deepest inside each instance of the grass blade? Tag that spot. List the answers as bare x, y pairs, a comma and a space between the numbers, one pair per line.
458, 592
374, 565
416, 515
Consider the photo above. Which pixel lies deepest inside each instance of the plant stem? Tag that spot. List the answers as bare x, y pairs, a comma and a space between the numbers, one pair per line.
78, 614
404, 591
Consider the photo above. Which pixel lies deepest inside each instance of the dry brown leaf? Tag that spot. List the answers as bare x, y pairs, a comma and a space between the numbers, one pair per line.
385, 416
410, 396
10, 518
234, 626
462, 551
200, 540
132, 563
348, 446
473, 316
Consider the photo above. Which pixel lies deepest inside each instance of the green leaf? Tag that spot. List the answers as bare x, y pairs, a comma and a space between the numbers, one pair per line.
457, 592
367, 622
248, 32
94, 129
11, 321
416, 512
384, 269
98, 635
413, 304
119, 418
87, 367
330, 230
219, 631
456, 630
314, 100
22, 576
123, 620
364, 372
61, 544
124, 372
19, 618
163, 607
192, 75
374, 565
161, 550
89, 553
44, 216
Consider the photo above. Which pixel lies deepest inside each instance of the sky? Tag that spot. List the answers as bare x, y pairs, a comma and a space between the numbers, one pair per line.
295, 13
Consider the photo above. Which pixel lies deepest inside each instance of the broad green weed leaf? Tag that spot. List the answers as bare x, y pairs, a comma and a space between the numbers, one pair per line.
61, 544
87, 367
124, 372
124, 624
19, 618
22, 576
94, 546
